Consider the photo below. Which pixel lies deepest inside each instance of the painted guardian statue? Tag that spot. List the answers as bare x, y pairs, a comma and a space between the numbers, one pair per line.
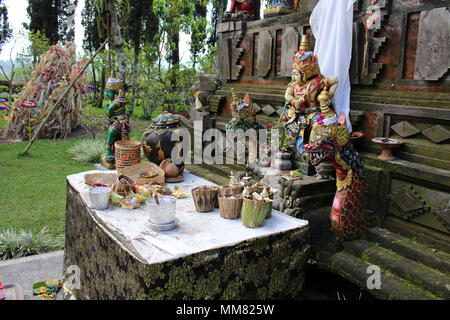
117, 120
302, 106
242, 10
330, 141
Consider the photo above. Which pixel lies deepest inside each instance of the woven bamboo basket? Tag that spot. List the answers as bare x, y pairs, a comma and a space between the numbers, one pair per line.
144, 173
205, 198
254, 212
107, 178
123, 185
127, 153
230, 207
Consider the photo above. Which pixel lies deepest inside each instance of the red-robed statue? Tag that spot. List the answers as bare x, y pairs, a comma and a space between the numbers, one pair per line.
243, 10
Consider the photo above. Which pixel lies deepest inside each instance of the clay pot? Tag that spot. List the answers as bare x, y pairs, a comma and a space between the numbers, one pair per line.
388, 145
157, 142
170, 169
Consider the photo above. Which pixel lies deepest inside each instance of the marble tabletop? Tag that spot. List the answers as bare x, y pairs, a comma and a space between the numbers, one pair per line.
195, 231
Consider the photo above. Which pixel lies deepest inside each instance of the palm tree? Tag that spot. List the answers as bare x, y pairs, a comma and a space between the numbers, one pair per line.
108, 17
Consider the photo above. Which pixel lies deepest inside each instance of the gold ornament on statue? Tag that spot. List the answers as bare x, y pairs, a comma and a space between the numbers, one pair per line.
114, 83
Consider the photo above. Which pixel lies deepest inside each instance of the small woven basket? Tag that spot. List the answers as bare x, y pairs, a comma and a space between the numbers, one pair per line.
230, 207
107, 178
205, 198
254, 212
127, 153
144, 173
123, 185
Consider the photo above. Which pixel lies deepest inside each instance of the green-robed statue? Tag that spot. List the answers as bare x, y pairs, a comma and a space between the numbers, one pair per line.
117, 120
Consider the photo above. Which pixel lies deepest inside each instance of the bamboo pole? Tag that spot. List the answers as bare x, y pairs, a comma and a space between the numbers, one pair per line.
41, 125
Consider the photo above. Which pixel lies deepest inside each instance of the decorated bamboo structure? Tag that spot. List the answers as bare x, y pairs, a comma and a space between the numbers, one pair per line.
49, 80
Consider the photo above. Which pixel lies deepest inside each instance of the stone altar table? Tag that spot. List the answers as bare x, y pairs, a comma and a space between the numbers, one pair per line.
204, 257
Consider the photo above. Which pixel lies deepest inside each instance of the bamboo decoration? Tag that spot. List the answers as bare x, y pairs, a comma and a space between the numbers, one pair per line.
230, 207
254, 212
49, 77
205, 198
69, 106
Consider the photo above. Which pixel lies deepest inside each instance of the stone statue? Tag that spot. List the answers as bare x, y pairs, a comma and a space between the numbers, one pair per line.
242, 10
302, 106
244, 116
117, 120
280, 7
287, 4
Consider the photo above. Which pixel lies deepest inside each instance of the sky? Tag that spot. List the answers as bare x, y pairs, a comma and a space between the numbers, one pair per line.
17, 14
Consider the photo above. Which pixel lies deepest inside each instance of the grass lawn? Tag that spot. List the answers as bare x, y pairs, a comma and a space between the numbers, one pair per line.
33, 187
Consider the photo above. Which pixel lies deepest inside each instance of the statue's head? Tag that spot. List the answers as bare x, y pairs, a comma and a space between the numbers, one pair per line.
306, 64
113, 87
329, 135
238, 106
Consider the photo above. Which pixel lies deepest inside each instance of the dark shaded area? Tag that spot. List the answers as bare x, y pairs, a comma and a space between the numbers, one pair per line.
321, 285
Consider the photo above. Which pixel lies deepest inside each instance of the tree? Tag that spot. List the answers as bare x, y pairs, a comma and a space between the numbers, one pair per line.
5, 30
43, 16
217, 12
108, 17
66, 15
174, 16
91, 42
198, 30
141, 27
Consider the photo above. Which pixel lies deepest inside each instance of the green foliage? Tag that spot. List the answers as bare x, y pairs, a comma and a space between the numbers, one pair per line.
28, 57
43, 16
39, 43
88, 150
92, 123
5, 30
104, 8
25, 243
207, 63
92, 40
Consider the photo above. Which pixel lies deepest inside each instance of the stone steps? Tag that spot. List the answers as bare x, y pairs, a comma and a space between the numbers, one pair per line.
392, 287
418, 274
414, 251
205, 172
224, 169
409, 270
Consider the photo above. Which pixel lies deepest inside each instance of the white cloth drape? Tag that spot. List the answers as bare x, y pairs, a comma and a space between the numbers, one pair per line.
331, 23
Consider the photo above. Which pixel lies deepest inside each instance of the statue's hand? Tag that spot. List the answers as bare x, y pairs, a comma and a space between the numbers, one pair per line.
325, 97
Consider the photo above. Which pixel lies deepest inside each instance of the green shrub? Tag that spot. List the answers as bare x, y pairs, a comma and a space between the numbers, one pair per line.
24, 243
88, 150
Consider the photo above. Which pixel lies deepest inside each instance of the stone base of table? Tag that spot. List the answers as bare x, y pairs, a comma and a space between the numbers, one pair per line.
262, 268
